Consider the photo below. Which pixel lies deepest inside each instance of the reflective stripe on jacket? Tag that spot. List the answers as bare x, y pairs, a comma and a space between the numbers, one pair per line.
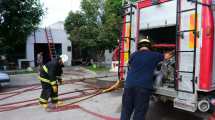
50, 71
47, 81
45, 69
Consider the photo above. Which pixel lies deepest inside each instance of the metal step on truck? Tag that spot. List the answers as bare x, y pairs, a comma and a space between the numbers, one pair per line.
185, 26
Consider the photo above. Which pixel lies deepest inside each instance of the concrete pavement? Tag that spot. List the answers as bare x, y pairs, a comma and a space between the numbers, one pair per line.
102, 107
91, 109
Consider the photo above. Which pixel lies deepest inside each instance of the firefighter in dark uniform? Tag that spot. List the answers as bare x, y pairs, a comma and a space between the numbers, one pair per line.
50, 77
139, 82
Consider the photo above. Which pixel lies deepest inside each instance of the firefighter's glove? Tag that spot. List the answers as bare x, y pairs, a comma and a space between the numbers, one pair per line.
55, 88
168, 55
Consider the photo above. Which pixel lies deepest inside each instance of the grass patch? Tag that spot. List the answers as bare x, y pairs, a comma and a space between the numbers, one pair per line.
14, 72
98, 68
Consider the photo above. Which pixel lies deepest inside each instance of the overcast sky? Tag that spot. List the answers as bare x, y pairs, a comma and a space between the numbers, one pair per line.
57, 10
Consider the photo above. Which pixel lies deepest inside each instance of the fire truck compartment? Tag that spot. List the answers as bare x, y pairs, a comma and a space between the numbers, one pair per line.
163, 39
161, 35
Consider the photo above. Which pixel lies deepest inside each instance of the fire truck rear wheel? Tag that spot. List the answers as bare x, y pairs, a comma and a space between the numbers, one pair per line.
203, 105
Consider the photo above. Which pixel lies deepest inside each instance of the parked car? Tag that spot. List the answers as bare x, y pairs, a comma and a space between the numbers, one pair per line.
4, 78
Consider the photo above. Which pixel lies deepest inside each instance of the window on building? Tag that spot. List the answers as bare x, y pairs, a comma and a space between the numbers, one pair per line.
69, 48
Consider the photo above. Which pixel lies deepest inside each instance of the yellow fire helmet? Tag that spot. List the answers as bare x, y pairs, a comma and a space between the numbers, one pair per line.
144, 41
64, 58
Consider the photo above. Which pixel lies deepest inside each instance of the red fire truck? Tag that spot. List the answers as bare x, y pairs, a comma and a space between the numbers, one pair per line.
186, 26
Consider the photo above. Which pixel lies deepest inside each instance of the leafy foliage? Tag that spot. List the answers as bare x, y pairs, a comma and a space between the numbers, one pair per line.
18, 18
96, 27
112, 20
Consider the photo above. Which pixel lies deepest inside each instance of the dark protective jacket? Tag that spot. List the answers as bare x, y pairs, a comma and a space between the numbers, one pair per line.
141, 69
51, 72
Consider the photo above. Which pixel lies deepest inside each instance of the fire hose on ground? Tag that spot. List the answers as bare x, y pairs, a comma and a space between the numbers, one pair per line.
98, 91
32, 87
32, 102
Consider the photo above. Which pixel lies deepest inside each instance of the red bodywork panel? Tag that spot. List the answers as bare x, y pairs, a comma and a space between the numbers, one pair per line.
148, 3
206, 51
115, 56
122, 47
164, 46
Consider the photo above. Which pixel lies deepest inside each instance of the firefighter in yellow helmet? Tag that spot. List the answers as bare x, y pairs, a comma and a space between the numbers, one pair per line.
139, 81
50, 77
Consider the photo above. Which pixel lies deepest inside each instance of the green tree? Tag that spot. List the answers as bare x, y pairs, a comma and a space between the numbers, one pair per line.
73, 24
96, 27
92, 14
18, 19
83, 27
112, 20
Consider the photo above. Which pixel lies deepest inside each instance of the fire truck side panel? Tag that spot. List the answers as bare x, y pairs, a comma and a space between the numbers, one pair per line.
134, 30
127, 45
158, 15
186, 43
164, 15
198, 45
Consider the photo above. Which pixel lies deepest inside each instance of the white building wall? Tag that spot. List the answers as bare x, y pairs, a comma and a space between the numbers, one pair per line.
108, 58
59, 36
30, 50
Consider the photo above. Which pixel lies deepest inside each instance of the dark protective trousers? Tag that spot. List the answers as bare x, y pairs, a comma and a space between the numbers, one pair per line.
48, 92
135, 100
